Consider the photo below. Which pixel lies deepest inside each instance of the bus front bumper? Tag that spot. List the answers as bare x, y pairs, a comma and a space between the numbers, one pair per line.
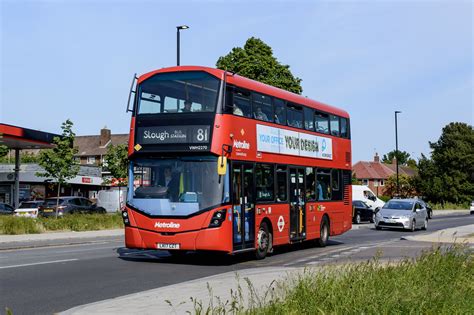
212, 239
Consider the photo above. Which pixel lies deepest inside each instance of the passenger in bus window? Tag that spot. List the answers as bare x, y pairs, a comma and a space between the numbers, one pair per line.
279, 115
237, 111
259, 114
187, 107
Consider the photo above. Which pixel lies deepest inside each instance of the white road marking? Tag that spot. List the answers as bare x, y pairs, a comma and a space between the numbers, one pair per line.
38, 263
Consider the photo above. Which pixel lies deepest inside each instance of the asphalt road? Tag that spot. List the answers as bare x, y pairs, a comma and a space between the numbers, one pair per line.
52, 279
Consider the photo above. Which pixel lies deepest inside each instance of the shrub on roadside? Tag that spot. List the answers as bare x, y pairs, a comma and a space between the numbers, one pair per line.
450, 206
75, 222
16, 225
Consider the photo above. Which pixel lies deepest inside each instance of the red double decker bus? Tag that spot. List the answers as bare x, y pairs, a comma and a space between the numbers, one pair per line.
223, 163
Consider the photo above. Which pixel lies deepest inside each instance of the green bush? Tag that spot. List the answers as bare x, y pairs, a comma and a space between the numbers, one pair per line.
74, 222
17, 225
441, 281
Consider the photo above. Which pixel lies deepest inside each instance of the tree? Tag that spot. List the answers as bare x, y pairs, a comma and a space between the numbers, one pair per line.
407, 189
402, 156
449, 175
59, 163
116, 161
3, 150
256, 61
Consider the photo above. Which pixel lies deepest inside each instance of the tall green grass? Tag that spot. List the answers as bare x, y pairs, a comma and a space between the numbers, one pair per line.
75, 222
450, 206
439, 282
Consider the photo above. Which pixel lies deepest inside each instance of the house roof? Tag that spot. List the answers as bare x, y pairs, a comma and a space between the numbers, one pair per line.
90, 145
377, 170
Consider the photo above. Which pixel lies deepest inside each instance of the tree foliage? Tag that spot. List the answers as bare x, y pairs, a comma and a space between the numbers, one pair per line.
449, 175
116, 161
407, 188
3, 150
256, 61
403, 158
59, 162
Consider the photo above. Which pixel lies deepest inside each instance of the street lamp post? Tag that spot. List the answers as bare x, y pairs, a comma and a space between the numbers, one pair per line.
178, 28
396, 148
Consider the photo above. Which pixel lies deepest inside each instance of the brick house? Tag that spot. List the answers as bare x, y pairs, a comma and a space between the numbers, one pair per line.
374, 173
92, 149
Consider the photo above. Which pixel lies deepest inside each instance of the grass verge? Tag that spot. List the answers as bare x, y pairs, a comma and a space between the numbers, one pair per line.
76, 222
440, 281
450, 206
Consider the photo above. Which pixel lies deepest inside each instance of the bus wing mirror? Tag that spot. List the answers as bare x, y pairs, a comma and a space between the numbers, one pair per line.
222, 165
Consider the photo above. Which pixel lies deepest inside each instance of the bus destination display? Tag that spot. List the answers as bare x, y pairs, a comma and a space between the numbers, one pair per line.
173, 134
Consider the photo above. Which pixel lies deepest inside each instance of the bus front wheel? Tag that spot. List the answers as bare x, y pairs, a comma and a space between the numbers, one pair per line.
263, 241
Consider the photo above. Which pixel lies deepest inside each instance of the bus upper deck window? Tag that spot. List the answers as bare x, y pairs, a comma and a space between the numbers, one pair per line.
295, 116
344, 129
322, 122
334, 125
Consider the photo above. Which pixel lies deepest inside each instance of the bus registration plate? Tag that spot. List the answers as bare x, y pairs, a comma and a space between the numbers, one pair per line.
167, 245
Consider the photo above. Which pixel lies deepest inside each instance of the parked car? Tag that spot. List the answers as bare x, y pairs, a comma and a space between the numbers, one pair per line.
472, 207
402, 214
109, 199
6, 209
29, 209
362, 212
68, 205
363, 193
429, 210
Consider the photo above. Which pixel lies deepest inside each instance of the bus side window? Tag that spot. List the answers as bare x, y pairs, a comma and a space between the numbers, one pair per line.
264, 182
323, 185
241, 106
344, 128
262, 107
322, 122
310, 184
295, 116
334, 125
280, 111
308, 118
336, 191
281, 184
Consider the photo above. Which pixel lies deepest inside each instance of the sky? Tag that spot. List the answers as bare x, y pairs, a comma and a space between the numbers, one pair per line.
76, 59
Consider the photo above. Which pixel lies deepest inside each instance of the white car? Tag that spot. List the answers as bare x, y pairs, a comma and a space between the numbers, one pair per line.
28, 209
472, 207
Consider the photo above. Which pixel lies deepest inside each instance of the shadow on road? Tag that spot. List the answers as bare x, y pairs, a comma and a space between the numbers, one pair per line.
204, 258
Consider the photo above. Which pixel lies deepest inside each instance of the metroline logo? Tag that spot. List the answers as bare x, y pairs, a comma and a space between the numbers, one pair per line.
167, 225
241, 144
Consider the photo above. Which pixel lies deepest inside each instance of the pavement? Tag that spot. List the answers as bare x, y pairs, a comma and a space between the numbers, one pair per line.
460, 234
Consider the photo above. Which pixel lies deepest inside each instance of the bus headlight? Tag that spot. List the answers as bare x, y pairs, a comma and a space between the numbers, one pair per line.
217, 218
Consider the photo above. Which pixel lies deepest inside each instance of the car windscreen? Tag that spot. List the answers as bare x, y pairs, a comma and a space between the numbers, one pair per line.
178, 92
399, 205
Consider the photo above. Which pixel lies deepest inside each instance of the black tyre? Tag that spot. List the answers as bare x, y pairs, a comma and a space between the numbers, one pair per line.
263, 241
357, 219
323, 239
413, 226
372, 219
425, 226
378, 227
101, 210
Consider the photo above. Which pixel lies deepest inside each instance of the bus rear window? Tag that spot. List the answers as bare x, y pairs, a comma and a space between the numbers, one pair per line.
178, 92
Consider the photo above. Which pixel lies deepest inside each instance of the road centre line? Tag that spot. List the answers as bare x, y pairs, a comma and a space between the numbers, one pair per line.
39, 263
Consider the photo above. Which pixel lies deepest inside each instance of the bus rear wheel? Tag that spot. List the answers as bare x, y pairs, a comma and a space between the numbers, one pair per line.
263, 241
323, 239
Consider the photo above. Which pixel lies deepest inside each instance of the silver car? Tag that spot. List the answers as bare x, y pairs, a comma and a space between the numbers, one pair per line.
402, 214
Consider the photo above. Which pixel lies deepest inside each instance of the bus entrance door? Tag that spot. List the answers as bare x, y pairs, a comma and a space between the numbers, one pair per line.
297, 204
243, 205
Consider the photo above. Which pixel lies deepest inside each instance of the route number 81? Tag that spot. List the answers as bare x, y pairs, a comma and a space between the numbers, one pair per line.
202, 135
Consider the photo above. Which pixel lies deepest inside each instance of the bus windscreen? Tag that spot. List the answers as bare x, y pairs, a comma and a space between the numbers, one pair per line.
178, 92
176, 187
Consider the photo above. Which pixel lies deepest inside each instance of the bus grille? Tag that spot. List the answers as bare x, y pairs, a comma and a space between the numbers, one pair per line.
346, 181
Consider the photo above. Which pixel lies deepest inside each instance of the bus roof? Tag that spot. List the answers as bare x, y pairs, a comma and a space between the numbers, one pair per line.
260, 87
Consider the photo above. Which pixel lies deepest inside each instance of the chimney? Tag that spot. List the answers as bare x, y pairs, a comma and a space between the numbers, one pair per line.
105, 136
376, 158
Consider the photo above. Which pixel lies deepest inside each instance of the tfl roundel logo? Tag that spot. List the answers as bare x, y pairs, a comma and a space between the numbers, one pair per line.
323, 146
